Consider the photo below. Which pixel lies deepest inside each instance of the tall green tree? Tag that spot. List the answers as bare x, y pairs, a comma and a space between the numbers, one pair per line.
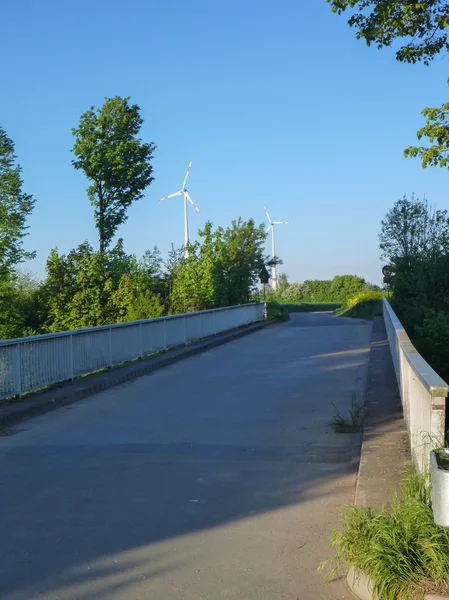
412, 229
240, 258
15, 207
282, 283
221, 270
419, 26
115, 160
414, 239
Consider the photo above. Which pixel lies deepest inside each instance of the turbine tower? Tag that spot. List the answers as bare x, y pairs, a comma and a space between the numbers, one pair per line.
273, 250
183, 192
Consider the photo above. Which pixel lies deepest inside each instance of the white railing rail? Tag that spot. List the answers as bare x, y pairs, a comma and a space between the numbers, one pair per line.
423, 392
31, 363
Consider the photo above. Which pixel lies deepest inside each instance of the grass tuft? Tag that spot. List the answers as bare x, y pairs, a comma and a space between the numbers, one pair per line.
352, 424
401, 550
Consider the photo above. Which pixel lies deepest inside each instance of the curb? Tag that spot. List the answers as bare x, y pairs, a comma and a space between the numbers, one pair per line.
63, 394
383, 429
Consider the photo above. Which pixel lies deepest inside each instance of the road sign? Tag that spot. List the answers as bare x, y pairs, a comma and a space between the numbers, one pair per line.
387, 271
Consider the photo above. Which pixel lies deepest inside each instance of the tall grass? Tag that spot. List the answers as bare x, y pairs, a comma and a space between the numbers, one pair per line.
401, 550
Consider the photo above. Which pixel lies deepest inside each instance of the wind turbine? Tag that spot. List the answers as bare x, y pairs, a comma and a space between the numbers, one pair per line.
273, 253
183, 192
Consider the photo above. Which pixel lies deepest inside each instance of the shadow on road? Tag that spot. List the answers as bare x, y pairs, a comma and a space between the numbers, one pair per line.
219, 473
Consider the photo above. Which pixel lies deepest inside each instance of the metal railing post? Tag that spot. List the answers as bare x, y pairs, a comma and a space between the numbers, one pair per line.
70, 361
17, 369
110, 348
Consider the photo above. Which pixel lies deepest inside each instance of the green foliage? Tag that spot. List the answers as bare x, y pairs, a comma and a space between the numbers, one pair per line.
344, 287
432, 340
115, 160
222, 270
277, 311
15, 208
310, 307
442, 457
412, 230
79, 288
366, 305
87, 288
415, 241
134, 302
420, 26
401, 550
337, 290
283, 283
436, 130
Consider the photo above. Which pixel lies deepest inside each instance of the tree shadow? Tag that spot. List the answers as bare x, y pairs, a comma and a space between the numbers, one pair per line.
85, 519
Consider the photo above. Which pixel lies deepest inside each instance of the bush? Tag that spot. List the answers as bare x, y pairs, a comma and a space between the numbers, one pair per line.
402, 551
432, 340
311, 307
364, 305
277, 311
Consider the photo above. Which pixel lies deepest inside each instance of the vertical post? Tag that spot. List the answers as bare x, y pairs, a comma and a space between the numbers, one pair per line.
17, 370
273, 268
200, 326
140, 341
110, 348
70, 361
186, 228
438, 420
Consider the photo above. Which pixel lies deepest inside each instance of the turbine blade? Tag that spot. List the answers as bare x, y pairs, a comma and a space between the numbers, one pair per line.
269, 227
281, 222
170, 196
187, 173
192, 202
268, 216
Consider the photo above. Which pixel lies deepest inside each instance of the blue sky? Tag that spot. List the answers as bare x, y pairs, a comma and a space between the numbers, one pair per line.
277, 103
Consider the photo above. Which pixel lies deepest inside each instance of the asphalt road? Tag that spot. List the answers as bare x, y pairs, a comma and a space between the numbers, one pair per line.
218, 477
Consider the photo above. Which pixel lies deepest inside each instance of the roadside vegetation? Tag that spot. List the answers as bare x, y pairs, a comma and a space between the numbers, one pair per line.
366, 305
399, 548
311, 307
277, 311
90, 286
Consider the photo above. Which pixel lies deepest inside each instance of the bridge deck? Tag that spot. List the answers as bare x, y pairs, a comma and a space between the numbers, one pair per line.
217, 477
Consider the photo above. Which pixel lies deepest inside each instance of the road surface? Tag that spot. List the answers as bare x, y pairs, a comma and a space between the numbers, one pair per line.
217, 477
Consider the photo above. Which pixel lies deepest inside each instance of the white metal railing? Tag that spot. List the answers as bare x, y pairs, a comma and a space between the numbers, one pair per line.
423, 392
31, 363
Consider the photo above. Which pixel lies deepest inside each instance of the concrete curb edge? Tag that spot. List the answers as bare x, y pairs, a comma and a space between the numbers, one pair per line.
359, 584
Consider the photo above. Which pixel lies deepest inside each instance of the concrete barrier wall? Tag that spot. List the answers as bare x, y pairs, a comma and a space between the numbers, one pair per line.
423, 392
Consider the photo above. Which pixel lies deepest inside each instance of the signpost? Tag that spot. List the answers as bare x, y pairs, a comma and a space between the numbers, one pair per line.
264, 278
387, 272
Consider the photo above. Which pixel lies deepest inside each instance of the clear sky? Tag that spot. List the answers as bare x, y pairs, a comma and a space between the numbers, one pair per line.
277, 103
